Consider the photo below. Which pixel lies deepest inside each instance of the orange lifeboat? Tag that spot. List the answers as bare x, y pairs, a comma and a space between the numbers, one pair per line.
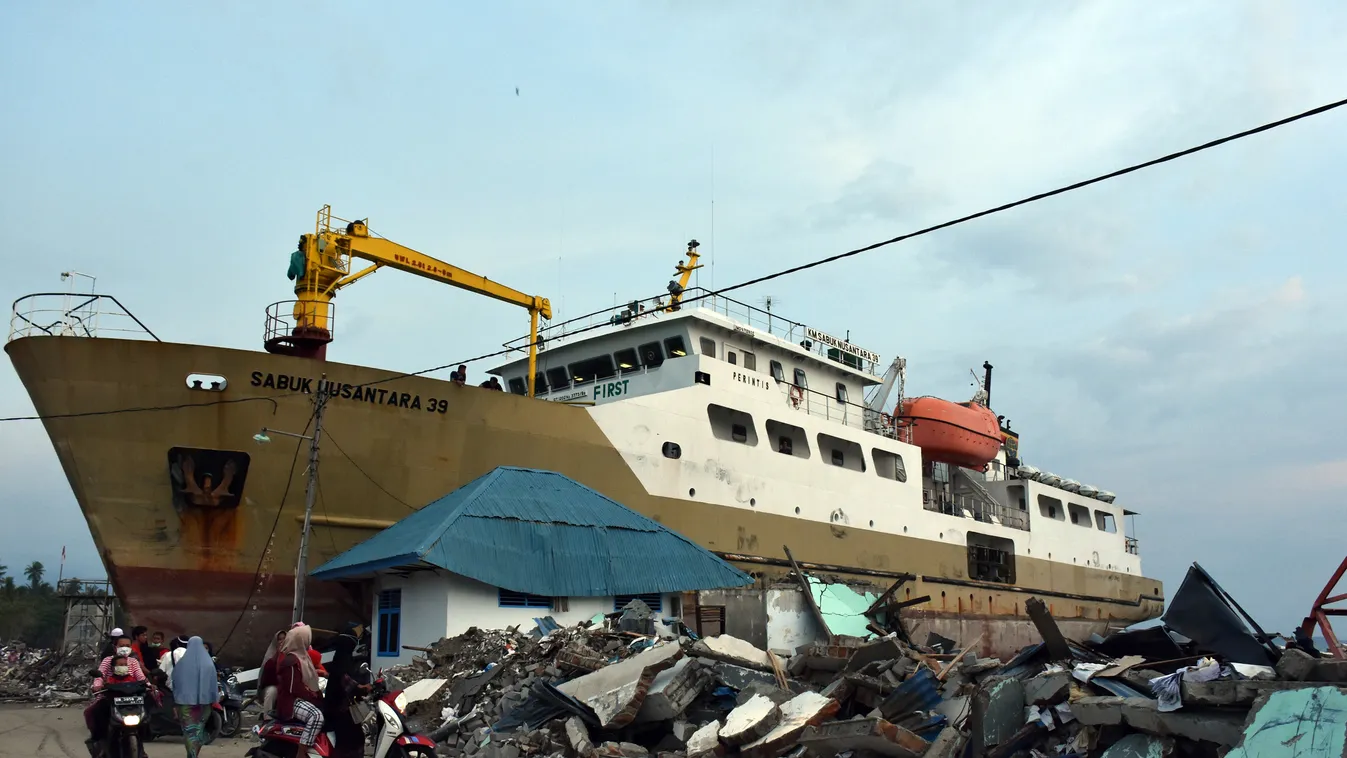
963, 434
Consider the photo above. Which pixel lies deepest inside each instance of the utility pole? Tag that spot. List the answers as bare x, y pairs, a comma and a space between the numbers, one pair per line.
310, 492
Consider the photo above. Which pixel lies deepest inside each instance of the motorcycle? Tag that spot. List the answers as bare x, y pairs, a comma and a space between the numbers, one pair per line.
127, 703
231, 703
163, 722
386, 723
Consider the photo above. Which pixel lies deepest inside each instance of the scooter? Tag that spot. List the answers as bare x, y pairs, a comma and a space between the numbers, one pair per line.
127, 702
386, 723
231, 703
164, 723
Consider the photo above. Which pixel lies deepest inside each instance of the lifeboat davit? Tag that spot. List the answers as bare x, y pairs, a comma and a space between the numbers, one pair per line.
962, 434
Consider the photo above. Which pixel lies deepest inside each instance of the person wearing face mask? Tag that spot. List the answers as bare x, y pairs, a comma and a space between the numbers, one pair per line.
121, 666
176, 649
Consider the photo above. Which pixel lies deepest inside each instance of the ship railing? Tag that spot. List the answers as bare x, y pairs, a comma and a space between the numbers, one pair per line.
284, 316
976, 509
73, 314
829, 407
652, 308
1131, 544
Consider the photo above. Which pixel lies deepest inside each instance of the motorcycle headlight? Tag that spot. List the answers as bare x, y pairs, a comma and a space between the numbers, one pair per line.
401, 702
131, 719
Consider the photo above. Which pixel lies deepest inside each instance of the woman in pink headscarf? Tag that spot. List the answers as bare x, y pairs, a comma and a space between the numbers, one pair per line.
297, 694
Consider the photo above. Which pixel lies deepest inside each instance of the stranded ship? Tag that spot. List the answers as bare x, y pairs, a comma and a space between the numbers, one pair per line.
745, 431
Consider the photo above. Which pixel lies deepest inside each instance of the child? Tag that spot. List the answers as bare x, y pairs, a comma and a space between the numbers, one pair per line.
120, 672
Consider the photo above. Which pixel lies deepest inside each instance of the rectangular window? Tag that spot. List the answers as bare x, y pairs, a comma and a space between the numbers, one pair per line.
652, 599
651, 355
800, 380
390, 624
675, 348
517, 386
991, 559
1080, 515
777, 372
598, 367
889, 465
626, 360
1105, 522
841, 393
708, 347
511, 599
750, 361
730, 424
790, 439
1051, 508
732, 357
558, 378
840, 452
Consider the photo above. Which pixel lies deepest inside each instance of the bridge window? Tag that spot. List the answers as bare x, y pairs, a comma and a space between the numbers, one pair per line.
789, 439
800, 380
1051, 508
778, 373
626, 360
598, 367
1105, 522
889, 465
674, 346
539, 384
651, 355
840, 452
1080, 515
729, 424
750, 361
841, 393
991, 559
558, 378
517, 386
708, 346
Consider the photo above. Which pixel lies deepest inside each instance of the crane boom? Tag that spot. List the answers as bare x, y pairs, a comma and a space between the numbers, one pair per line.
322, 265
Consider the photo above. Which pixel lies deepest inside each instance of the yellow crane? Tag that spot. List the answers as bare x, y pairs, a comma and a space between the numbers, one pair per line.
322, 264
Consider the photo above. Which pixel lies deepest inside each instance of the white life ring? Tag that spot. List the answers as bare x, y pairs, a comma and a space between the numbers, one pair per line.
796, 395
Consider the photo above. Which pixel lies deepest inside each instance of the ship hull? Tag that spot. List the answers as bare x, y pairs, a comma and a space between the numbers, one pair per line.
188, 553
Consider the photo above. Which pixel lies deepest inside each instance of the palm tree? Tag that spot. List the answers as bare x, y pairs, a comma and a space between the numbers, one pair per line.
34, 572
3, 569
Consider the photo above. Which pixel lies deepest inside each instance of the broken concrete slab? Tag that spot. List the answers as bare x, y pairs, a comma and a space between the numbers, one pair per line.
1295, 665
705, 742
578, 735
1048, 689
1002, 707
750, 721
800, 712
683, 731
615, 693
1138, 745
620, 750
887, 649
1296, 724
1223, 692
673, 690
872, 736
771, 691
1329, 671
1219, 727
737, 677
948, 744
1098, 711
732, 650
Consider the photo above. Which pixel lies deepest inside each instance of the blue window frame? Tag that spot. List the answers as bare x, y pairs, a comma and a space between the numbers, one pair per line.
390, 624
653, 599
511, 599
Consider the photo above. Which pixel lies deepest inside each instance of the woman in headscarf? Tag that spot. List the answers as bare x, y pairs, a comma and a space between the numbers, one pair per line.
297, 697
343, 683
195, 689
266, 679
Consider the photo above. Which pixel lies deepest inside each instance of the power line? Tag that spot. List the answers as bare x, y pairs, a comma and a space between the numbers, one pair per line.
146, 409
372, 480
802, 267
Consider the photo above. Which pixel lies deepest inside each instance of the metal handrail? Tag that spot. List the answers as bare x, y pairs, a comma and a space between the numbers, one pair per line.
955, 505
78, 320
1131, 545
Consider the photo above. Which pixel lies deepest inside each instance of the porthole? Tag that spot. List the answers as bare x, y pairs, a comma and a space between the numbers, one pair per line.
797, 510
692, 492
904, 530
672, 450
942, 535
752, 501
942, 594
872, 523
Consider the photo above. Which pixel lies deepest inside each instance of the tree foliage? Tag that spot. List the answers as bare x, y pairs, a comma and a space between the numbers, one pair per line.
34, 612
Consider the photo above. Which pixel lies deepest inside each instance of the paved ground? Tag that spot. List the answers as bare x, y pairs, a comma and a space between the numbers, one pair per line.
28, 732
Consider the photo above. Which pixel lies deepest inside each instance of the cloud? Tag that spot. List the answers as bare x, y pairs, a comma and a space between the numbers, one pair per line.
885, 191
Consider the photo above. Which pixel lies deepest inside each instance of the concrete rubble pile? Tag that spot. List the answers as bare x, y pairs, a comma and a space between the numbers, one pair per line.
41, 676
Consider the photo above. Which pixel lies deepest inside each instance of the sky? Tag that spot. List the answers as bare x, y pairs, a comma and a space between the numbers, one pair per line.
1175, 336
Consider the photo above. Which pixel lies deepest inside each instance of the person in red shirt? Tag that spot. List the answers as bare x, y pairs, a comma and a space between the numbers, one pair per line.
118, 668
297, 694
140, 645
266, 677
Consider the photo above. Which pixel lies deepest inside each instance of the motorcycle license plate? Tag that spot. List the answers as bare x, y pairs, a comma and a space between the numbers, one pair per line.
128, 700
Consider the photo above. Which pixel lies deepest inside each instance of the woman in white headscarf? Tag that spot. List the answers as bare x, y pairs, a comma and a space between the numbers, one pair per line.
297, 694
195, 689
266, 678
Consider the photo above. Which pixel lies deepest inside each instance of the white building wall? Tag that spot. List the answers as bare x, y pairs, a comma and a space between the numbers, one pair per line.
440, 604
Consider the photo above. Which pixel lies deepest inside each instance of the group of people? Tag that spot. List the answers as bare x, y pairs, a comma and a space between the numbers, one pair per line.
291, 689
459, 376
185, 668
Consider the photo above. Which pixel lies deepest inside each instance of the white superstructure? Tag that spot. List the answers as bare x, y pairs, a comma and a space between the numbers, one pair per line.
723, 403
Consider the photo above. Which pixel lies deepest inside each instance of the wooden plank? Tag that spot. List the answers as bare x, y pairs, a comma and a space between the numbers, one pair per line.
941, 676
808, 593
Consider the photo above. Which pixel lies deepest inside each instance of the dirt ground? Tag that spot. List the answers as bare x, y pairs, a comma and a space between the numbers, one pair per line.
28, 732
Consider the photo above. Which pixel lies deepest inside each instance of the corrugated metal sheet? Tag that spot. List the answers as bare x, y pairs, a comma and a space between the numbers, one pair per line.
542, 533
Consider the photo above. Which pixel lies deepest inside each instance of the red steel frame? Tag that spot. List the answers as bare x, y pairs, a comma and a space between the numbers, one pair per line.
1320, 613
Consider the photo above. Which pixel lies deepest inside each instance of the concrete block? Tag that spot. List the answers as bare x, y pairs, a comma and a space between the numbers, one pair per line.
750, 721
979, 666
1098, 711
705, 742
800, 712
770, 691
1224, 692
1048, 689
620, 750
1220, 727
881, 650
683, 731
737, 677
616, 692
948, 744
1295, 665
1329, 671
578, 736
673, 690
732, 650
872, 736
1138, 745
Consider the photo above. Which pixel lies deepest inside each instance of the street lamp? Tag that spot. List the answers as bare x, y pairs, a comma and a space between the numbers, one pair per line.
310, 491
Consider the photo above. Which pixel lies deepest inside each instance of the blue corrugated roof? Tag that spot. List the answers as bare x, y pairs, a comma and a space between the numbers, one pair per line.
542, 533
